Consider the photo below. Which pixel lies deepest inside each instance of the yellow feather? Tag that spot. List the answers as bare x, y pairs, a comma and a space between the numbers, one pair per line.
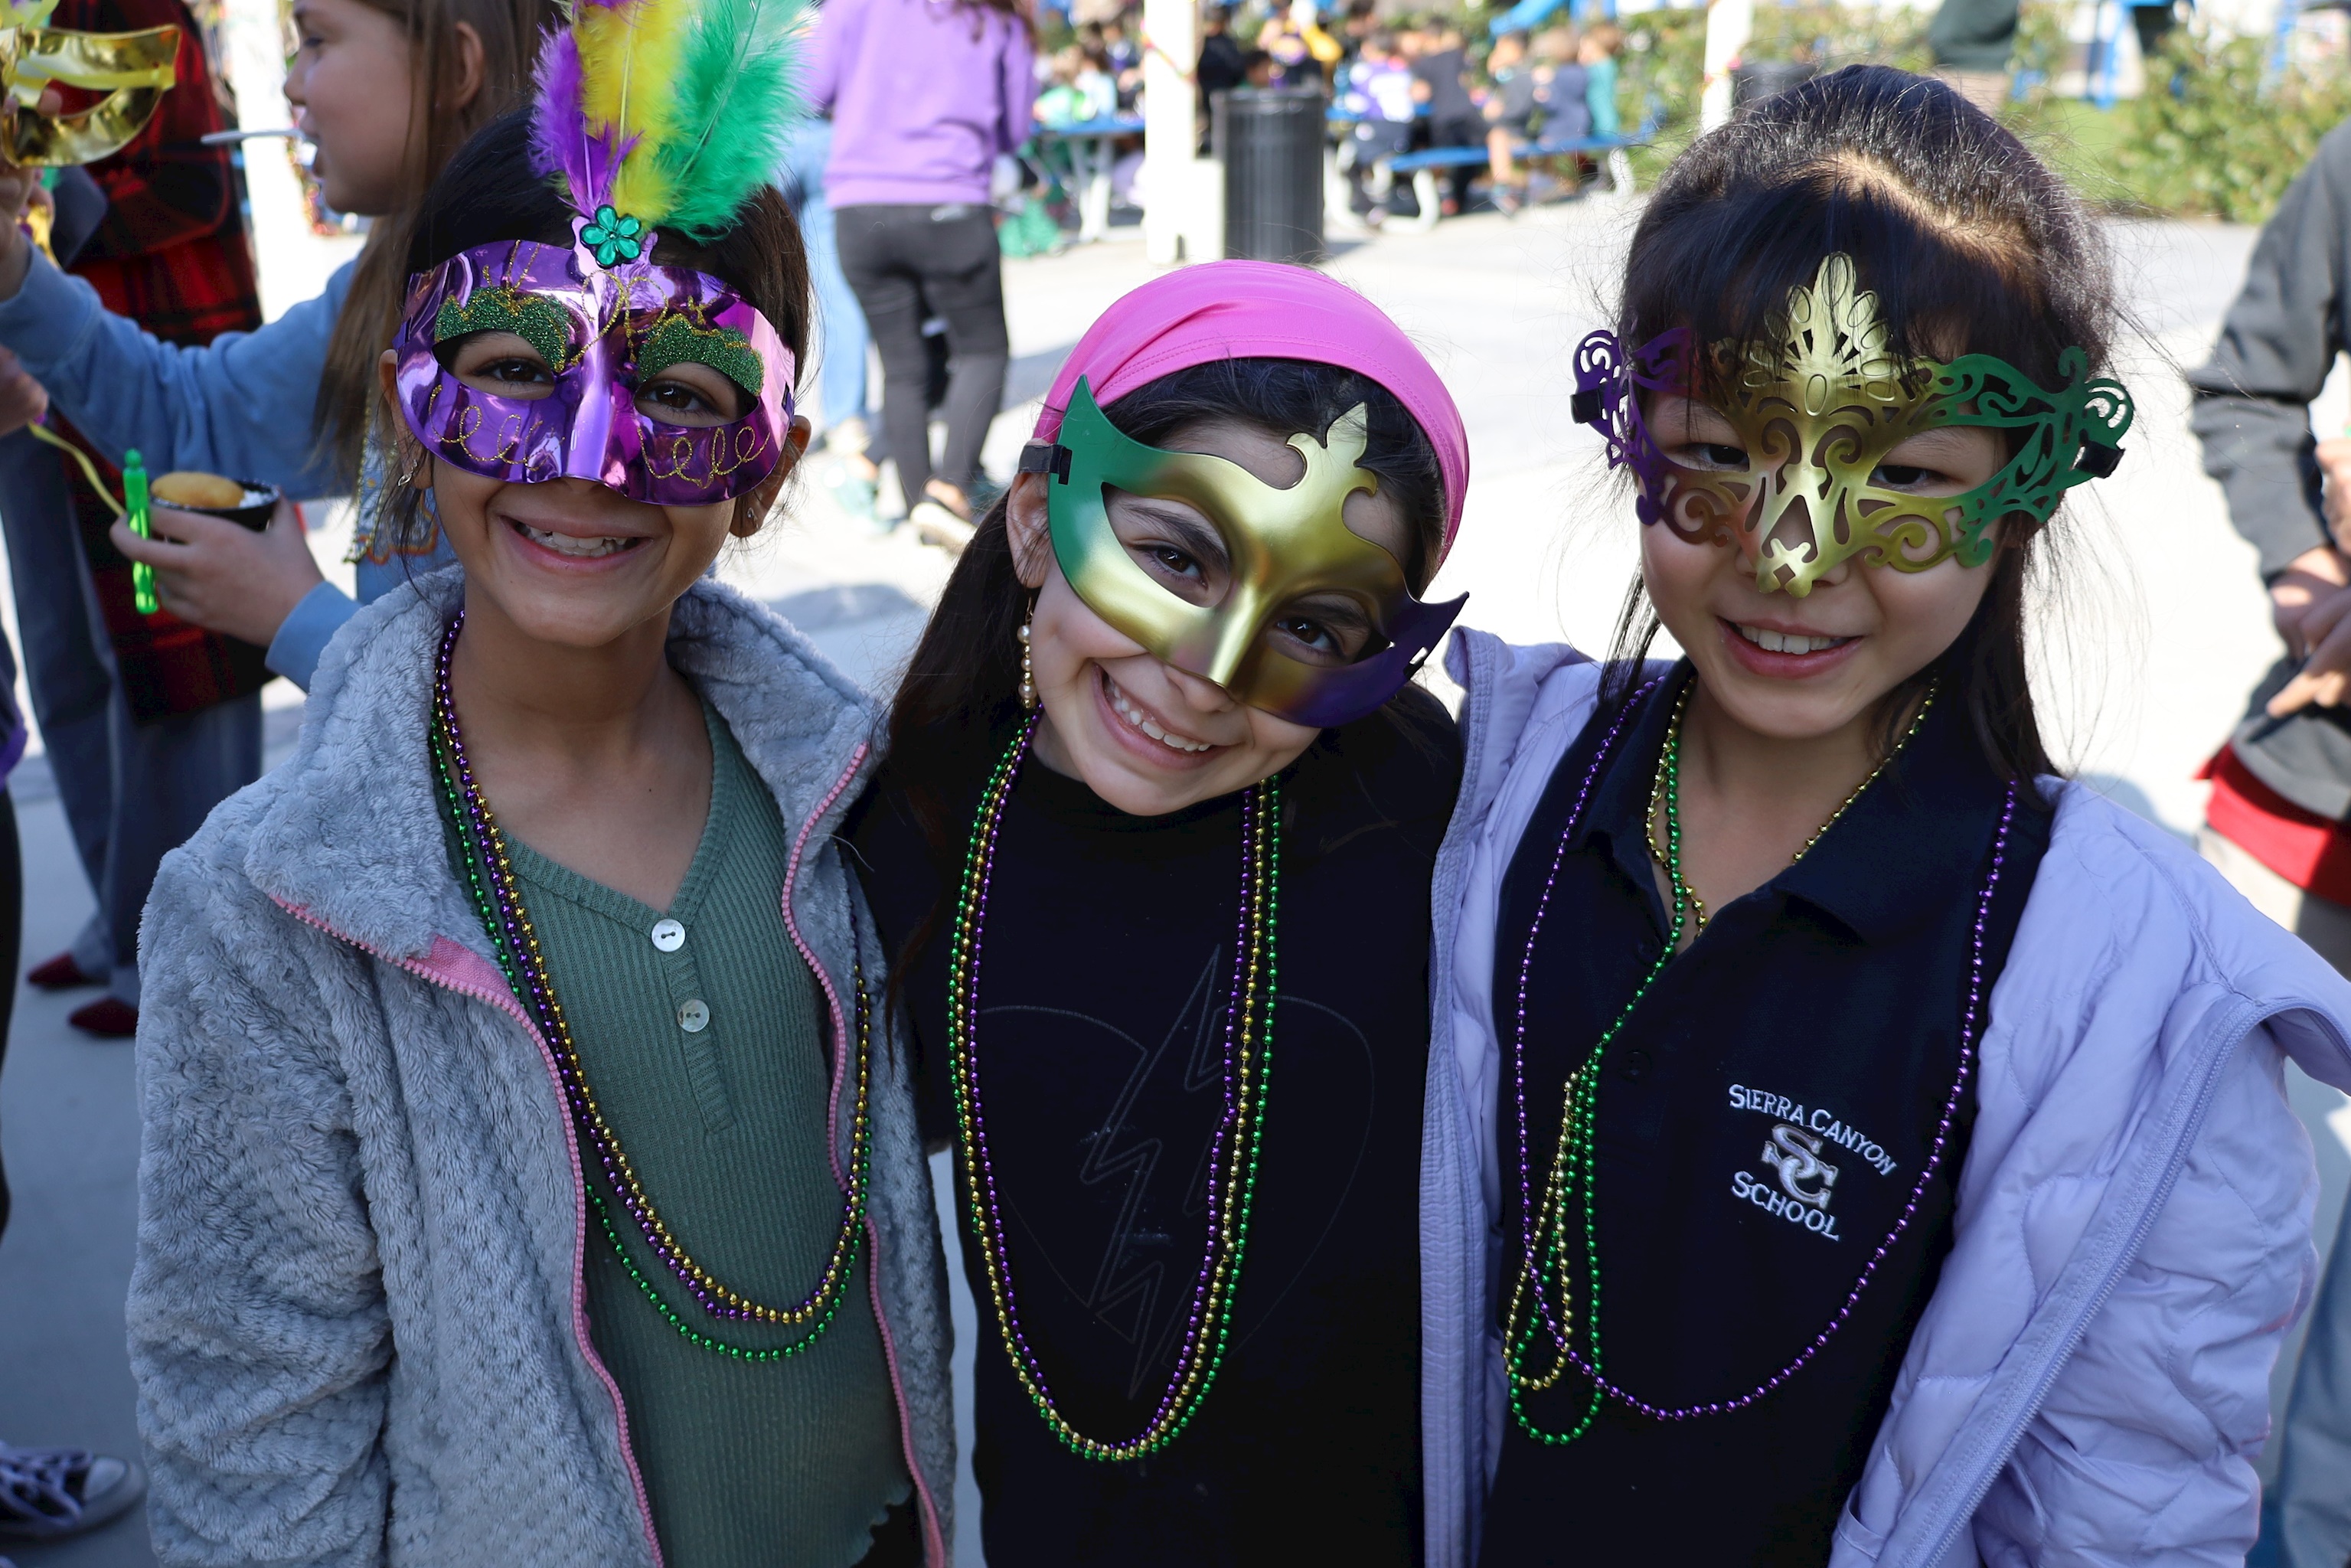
629, 56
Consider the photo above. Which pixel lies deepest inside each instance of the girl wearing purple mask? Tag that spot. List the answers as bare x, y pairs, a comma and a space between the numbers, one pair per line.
526, 1175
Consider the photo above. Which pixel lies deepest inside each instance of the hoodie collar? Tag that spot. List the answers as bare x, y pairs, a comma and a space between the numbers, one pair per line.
353, 835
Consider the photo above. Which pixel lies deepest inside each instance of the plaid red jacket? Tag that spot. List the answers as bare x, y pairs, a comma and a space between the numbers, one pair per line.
172, 255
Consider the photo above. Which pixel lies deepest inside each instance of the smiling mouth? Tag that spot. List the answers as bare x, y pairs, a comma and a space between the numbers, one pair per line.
594, 547
1789, 642
1125, 709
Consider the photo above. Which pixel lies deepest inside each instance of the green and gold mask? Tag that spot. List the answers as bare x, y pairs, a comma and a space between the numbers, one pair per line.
1818, 404
1279, 545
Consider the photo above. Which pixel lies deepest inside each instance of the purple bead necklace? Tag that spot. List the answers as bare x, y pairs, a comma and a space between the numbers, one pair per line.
1233, 1160
1542, 1297
499, 898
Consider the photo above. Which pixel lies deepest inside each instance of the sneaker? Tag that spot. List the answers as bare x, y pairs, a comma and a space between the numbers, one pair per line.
109, 1017
934, 525
1507, 202
47, 1494
61, 974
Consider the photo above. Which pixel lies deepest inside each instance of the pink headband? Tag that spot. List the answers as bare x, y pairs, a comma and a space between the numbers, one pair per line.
1261, 310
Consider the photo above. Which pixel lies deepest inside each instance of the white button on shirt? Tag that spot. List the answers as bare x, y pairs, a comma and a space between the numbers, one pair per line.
694, 1014
668, 935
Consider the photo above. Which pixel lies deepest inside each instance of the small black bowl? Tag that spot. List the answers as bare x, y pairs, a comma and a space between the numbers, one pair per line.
253, 514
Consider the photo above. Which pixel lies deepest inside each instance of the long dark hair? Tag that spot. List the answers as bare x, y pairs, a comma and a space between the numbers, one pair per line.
961, 691
1970, 245
509, 31
487, 193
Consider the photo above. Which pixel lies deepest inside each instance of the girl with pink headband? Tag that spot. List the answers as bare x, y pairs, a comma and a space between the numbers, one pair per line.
1151, 852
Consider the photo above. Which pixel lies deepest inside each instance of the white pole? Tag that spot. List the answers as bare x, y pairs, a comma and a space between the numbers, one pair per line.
1729, 25
1173, 185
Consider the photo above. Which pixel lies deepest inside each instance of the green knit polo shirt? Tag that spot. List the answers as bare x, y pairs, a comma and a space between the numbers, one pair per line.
761, 1464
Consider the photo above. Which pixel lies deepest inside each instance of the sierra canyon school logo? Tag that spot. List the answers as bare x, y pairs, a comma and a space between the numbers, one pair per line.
1793, 1152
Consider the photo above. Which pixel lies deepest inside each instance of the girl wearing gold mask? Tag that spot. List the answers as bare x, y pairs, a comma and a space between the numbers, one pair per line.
1848, 1141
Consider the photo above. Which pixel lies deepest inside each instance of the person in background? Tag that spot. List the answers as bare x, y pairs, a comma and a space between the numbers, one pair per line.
924, 98
842, 341
1971, 41
2274, 823
1301, 52
386, 91
1223, 66
1539, 99
1441, 86
45, 1494
1379, 88
1596, 53
148, 719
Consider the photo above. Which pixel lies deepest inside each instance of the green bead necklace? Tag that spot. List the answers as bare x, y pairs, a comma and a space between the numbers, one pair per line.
1542, 1297
497, 898
1233, 1162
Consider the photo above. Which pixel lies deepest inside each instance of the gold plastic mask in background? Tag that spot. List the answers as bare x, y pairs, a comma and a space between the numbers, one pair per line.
133, 69
1280, 544
1818, 404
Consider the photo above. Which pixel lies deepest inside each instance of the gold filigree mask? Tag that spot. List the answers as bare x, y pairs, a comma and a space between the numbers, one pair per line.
1280, 544
1818, 404
132, 69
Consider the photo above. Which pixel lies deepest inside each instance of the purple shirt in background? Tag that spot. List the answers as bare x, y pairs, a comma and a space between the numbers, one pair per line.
923, 94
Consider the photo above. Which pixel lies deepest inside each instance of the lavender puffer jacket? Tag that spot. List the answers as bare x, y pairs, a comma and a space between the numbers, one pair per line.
2089, 1383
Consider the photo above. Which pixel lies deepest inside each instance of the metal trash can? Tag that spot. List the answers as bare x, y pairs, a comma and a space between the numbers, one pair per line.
1271, 143
1755, 80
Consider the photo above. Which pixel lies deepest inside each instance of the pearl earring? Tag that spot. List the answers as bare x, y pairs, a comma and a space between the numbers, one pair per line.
1028, 671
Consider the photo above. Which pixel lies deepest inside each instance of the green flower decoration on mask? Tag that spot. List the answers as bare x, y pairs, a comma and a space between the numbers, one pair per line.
614, 238
675, 339
537, 321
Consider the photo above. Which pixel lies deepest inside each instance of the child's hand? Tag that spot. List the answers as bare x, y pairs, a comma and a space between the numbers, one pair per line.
23, 399
221, 575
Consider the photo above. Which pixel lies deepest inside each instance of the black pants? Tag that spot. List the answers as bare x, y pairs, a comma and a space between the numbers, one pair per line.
1461, 132
901, 261
12, 942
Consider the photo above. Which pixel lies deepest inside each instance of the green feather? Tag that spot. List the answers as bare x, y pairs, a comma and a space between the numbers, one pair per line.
737, 101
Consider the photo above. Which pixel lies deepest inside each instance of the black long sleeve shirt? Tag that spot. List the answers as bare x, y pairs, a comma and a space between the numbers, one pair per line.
1103, 985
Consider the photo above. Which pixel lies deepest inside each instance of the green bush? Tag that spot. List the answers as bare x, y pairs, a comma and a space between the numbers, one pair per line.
2219, 140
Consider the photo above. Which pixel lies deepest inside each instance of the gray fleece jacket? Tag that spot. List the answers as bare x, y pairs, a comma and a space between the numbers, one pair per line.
356, 1318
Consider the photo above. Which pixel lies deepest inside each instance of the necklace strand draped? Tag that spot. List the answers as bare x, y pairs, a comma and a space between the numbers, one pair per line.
1542, 1297
499, 898
1233, 1157
1658, 804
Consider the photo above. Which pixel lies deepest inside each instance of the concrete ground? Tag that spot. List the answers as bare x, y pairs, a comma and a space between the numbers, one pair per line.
2154, 628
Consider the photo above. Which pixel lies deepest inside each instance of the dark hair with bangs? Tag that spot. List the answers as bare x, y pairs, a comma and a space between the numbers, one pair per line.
1970, 245
487, 193
962, 687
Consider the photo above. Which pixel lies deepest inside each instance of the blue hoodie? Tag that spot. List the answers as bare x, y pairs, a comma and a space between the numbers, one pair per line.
243, 406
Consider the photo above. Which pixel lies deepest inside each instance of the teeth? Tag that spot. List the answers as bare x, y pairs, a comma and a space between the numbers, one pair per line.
571, 544
1788, 643
1141, 721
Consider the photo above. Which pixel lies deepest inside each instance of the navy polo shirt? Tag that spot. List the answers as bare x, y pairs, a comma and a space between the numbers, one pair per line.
1763, 1119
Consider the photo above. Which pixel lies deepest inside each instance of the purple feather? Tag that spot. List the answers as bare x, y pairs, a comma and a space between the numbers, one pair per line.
558, 127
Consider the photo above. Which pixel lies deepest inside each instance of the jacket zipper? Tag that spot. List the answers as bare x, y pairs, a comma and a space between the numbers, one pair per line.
934, 1538
508, 1005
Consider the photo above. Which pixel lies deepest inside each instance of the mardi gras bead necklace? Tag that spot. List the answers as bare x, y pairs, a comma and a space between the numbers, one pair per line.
1660, 807
496, 895
1542, 1297
1233, 1159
